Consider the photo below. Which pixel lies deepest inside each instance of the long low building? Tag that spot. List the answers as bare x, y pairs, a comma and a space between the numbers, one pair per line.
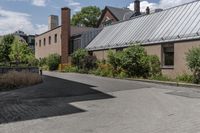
169, 34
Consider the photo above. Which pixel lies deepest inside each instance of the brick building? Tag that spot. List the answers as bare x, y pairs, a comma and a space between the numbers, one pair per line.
63, 39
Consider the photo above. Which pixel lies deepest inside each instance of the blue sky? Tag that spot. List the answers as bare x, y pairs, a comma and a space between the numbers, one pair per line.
31, 15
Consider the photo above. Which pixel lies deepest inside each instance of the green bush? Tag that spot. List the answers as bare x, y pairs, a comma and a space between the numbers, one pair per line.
53, 60
154, 66
42, 62
115, 59
133, 60
78, 57
70, 68
89, 62
193, 62
32, 61
185, 78
83, 61
105, 70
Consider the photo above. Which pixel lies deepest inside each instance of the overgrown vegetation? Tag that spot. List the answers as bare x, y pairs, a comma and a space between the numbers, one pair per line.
15, 52
135, 62
14, 80
83, 60
193, 61
132, 62
52, 61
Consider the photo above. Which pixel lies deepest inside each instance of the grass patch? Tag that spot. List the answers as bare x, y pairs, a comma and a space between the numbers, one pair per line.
15, 80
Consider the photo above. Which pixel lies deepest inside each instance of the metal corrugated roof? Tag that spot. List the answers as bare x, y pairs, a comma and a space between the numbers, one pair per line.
174, 24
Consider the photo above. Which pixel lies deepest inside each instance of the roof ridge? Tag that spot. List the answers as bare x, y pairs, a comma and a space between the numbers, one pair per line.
156, 12
118, 8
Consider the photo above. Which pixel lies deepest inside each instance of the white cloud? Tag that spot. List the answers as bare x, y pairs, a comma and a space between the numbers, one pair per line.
162, 4
12, 21
143, 6
76, 6
39, 2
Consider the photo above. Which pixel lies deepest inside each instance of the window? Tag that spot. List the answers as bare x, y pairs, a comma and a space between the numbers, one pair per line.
168, 55
107, 22
49, 40
40, 43
44, 41
55, 38
90, 53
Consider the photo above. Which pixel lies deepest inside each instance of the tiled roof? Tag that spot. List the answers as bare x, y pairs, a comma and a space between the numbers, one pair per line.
174, 24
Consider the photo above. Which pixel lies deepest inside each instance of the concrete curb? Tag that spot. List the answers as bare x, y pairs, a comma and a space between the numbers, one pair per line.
177, 84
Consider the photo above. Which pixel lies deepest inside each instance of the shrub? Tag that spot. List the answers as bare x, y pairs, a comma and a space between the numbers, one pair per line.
193, 62
185, 78
69, 68
89, 62
53, 61
42, 62
83, 61
154, 66
115, 59
78, 57
13, 79
104, 70
32, 61
133, 60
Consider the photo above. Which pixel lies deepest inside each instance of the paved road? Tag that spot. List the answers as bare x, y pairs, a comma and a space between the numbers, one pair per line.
77, 103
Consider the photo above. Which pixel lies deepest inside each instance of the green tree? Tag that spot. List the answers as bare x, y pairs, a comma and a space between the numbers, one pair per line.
88, 16
5, 48
20, 52
193, 62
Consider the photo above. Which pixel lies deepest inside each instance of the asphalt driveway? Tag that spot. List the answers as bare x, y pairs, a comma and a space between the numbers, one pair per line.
78, 103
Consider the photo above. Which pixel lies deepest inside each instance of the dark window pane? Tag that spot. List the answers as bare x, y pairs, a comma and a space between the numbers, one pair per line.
168, 55
55, 38
49, 40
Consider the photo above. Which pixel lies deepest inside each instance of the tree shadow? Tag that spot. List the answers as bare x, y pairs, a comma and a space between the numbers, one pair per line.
49, 99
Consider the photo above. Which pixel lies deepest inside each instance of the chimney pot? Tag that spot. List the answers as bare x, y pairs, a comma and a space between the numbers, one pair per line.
147, 10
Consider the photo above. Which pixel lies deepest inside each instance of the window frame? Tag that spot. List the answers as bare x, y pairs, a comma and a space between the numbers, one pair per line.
55, 38
49, 40
44, 41
163, 55
40, 43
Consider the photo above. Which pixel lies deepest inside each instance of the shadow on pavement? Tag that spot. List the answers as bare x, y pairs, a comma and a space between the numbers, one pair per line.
51, 98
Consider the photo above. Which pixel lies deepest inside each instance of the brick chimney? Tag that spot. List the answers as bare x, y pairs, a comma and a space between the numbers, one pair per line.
65, 34
137, 7
147, 10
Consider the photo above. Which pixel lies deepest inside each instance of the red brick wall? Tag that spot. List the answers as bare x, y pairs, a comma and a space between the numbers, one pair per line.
109, 15
65, 34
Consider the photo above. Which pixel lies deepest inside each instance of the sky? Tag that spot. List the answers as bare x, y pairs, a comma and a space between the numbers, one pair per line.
31, 16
